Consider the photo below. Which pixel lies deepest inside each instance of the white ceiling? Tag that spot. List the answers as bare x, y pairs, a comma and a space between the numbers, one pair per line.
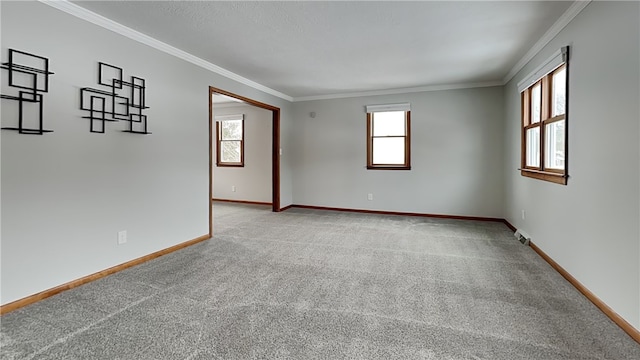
307, 49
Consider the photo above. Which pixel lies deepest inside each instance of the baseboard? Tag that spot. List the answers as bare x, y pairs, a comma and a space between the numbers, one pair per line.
242, 201
381, 212
286, 208
622, 323
100, 274
506, 222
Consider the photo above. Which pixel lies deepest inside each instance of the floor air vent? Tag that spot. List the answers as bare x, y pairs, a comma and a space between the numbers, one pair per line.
522, 236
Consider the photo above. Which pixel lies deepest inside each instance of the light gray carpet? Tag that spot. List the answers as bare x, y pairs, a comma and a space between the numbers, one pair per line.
307, 284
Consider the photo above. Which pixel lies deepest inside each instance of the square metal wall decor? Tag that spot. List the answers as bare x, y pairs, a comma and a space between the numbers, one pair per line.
30, 73
120, 101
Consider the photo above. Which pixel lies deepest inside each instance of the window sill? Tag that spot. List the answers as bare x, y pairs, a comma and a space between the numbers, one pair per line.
553, 177
382, 167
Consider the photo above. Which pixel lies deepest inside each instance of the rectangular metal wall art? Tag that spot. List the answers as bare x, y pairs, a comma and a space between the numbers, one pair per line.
120, 101
31, 73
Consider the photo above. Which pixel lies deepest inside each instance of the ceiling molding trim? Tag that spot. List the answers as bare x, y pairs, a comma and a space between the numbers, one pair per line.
400, 91
553, 31
109, 24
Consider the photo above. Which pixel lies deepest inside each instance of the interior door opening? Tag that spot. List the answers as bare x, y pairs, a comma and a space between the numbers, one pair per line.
275, 147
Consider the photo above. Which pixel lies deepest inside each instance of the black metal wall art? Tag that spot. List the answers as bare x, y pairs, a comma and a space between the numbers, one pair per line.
110, 106
31, 73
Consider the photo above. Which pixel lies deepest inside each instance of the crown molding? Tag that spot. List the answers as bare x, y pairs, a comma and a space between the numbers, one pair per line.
400, 91
84, 14
553, 31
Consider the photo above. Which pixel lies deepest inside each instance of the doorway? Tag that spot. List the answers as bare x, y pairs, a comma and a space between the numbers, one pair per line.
275, 148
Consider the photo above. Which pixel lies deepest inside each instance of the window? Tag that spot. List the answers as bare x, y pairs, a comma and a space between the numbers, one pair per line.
230, 140
544, 121
388, 137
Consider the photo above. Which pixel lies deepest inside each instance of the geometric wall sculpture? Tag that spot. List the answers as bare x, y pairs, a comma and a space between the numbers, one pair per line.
31, 73
121, 101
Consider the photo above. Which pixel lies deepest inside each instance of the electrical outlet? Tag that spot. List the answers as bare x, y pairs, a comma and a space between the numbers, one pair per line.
122, 237
369, 196
233, 188
523, 215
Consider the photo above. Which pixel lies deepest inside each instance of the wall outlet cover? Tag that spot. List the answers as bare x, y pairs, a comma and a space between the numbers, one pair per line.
122, 237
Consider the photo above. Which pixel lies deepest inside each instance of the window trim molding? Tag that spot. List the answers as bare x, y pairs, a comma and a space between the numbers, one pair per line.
407, 142
218, 120
557, 59
388, 107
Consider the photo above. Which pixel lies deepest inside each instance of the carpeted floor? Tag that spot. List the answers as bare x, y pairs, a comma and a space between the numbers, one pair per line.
307, 284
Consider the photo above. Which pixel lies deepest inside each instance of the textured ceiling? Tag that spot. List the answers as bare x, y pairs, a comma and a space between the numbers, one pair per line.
318, 48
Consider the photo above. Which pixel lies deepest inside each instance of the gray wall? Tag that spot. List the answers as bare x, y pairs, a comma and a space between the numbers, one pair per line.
456, 155
65, 195
590, 226
253, 181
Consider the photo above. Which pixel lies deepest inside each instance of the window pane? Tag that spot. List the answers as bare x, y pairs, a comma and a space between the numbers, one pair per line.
232, 130
559, 92
554, 145
230, 151
533, 147
536, 104
388, 151
388, 123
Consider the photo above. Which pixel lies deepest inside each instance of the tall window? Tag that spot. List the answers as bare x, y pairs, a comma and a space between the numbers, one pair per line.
544, 122
230, 143
388, 137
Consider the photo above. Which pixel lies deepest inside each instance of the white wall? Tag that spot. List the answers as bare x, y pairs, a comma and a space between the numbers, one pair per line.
456, 155
65, 195
590, 226
253, 181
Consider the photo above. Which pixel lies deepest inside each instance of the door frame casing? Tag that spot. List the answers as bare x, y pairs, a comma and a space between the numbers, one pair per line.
275, 148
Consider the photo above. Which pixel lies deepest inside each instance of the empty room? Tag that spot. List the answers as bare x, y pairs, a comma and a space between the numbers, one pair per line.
320, 180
